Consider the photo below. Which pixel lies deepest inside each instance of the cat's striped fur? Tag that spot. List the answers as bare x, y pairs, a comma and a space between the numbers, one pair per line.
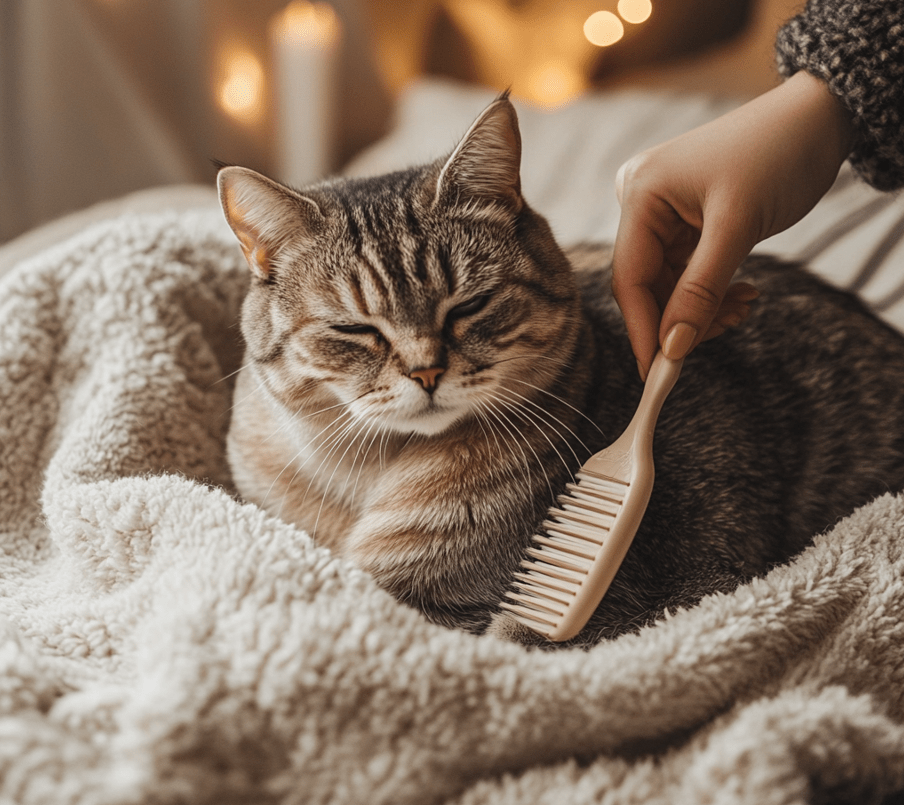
425, 370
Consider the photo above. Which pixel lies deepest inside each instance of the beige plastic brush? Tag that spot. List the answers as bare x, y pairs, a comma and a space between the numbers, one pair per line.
585, 538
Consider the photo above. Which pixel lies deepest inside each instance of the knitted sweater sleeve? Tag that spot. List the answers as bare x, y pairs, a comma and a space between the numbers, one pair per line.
857, 48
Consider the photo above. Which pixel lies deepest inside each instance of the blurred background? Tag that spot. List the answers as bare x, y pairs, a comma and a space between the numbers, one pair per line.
102, 97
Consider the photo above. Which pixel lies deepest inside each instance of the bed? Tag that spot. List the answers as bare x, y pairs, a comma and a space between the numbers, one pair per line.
161, 641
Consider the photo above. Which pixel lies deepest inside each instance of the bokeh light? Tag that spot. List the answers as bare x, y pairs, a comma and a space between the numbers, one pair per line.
241, 88
553, 83
308, 23
635, 11
603, 28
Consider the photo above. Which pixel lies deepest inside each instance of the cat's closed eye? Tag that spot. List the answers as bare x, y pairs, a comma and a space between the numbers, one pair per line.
470, 307
357, 329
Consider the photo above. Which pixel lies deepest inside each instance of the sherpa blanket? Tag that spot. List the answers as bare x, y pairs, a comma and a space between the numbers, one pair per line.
161, 642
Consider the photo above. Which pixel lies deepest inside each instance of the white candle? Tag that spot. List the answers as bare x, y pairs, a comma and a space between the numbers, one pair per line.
304, 40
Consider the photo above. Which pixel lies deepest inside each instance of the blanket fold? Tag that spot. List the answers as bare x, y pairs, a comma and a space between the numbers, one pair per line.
162, 642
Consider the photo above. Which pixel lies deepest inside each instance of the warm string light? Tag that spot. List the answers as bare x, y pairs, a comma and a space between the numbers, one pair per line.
635, 11
603, 28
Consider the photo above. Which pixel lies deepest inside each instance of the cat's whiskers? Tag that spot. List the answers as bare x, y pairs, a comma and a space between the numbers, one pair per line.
231, 374
546, 416
324, 410
236, 403
380, 430
301, 451
503, 445
560, 362
516, 409
334, 441
384, 432
297, 413
411, 437
361, 439
561, 400
514, 433
531, 356
531, 419
481, 417
290, 422
357, 437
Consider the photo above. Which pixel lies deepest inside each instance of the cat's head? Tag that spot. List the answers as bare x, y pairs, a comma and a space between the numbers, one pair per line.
408, 298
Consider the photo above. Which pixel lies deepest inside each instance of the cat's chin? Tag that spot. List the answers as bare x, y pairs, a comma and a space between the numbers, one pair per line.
430, 423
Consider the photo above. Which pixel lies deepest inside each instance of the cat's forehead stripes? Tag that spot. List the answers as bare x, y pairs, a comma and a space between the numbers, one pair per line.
444, 261
358, 296
413, 226
395, 267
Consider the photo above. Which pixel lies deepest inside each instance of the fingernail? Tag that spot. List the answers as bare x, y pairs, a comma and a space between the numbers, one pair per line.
641, 372
679, 341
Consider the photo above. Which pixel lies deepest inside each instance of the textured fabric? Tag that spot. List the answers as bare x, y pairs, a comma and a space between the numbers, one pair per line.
160, 642
857, 48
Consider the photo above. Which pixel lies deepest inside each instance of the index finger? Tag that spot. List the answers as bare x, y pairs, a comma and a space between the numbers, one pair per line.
700, 289
637, 266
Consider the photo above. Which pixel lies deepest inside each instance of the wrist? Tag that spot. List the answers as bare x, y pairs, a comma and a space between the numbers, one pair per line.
826, 107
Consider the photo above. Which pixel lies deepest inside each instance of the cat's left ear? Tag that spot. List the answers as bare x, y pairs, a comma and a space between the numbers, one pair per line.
486, 164
264, 215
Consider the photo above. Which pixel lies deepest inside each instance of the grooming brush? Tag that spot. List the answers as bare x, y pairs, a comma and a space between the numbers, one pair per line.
584, 540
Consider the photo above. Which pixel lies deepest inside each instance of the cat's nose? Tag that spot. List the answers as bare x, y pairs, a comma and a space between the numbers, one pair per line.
428, 378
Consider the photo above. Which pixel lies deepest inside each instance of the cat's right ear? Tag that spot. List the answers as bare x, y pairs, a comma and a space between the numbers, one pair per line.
485, 165
264, 215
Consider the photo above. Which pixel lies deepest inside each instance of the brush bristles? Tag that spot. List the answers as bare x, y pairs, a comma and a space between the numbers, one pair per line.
566, 544
587, 498
564, 552
550, 582
605, 486
531, 618
575, 514
546, 592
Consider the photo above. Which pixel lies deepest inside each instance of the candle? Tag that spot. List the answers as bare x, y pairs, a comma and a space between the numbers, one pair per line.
304, 40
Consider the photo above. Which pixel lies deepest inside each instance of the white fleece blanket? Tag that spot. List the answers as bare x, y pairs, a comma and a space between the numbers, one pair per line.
163, 643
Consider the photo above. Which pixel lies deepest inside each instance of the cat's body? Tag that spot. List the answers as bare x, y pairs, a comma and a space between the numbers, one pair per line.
425, 371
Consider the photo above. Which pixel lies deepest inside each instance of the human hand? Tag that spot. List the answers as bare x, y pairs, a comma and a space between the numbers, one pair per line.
694, 207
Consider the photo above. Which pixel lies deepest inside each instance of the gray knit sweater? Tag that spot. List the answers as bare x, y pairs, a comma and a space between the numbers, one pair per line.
857, 48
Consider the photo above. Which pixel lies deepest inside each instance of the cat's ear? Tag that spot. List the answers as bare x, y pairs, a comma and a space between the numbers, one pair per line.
486, 164
264, 215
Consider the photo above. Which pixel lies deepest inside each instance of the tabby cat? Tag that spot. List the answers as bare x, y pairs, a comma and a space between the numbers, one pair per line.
426, 368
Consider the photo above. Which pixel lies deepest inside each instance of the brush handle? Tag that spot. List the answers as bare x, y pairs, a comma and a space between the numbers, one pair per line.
631, 455
660, 381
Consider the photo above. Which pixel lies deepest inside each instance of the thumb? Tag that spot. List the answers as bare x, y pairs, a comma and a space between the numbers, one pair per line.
700, 289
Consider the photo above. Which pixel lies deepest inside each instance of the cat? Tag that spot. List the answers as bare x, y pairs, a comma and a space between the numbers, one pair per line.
426, 368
